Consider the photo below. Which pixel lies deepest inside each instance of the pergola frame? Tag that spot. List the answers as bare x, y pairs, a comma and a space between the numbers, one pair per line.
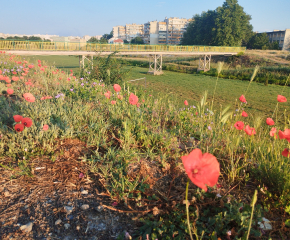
155, 64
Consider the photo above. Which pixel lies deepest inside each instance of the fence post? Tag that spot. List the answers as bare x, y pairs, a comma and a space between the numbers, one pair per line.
145, 82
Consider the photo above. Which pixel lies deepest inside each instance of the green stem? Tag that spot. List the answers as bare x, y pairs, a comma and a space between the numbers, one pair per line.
187, 210
253, 206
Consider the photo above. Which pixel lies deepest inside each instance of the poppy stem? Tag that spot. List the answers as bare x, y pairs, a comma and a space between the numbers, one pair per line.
187, 210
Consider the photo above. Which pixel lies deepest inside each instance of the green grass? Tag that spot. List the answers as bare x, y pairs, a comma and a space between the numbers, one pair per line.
261, 99
190, 87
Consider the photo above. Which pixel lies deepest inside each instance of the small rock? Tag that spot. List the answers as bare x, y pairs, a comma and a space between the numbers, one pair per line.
57, 222
84, 192
78, 228
27, 227
68, 209
67, 226
85, 207
265, 224
100, 208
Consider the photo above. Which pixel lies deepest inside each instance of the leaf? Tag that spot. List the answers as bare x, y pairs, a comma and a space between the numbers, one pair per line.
287, 223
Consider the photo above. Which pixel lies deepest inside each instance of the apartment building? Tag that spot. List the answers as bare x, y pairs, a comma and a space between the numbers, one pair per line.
134, 30
119, 32
282, 37
162, 33
151, 33
175, 29
170, 31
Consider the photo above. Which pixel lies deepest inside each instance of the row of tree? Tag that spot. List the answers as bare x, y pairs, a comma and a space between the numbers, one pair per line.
105, 38
25, 38
228, 25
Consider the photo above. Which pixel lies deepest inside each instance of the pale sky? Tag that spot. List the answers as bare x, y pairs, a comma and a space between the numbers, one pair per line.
95, 17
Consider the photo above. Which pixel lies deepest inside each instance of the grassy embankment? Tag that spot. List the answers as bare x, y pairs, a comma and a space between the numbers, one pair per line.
136, 151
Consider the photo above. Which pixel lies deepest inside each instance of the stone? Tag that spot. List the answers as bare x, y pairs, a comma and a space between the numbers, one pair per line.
265, 224
68, 209
85, 207
100, 208
27, 227
84, 192
57, 222
67, 226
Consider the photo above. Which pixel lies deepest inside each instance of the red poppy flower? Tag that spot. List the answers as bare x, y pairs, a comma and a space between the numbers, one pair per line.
281, 98
243, 99
107, 95
45, 127
250, 131
19, 127
29, 97
133, 99
39, 65
239, 125
113, 102
273, 131
202, 169
270, 121
39, 61
117, 87
185, 102
27, 122
286, 152
9, 91
244, 114
120, 97
17, 118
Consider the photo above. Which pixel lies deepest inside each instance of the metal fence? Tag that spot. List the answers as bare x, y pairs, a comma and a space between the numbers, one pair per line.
95, 47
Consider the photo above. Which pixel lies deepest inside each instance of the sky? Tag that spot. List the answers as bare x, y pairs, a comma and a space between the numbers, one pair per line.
95, 17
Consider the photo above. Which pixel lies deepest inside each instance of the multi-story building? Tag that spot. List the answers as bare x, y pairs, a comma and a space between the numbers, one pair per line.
151, 33
162, 32
175, 29
282, 37
170, 31
119, 32
134, 30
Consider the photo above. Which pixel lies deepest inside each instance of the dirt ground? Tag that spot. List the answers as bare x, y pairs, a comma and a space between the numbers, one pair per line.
62, 199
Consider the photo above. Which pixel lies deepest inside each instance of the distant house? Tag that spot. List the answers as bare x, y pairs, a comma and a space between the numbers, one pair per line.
117, 41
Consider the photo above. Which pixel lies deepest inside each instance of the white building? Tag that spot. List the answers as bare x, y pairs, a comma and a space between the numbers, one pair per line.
151, 33
282, 37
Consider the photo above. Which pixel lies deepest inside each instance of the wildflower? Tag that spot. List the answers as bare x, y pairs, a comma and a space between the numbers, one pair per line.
244, 114
239, 125
285, 134
45, 127
17, 118
113, 102
72, 90
9, 91
185, 102
270, 121
107, 95
286, 152
273, 131
120, 97
19, 127
117, 87
281, 98
39, 61
250, 131
209, 128
202, 169
133, 99
243, 99
29, 97
27, 122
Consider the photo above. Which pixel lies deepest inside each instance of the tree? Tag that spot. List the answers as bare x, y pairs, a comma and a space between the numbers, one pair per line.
201, 30
108, 36
226, 26
137, 40
93, 40
232, 24
259, 41
126, 41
